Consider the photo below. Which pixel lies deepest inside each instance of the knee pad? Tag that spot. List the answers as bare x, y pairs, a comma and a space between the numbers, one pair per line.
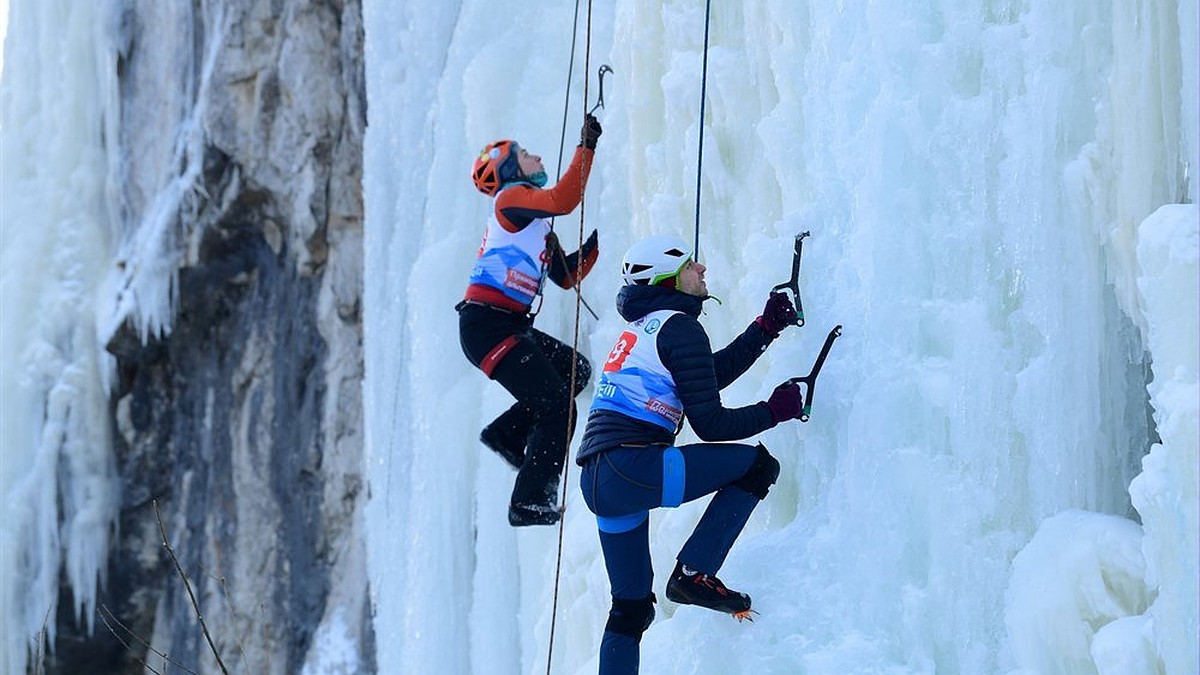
761, 475
631, 617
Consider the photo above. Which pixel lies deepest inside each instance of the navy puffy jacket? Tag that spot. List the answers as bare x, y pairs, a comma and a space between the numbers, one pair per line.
699, 376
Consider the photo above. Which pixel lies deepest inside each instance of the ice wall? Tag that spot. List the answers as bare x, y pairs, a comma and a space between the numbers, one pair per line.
974, 175
57, 478
1166, 492
1148, 156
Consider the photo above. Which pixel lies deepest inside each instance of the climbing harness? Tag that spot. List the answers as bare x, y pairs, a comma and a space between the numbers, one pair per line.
793, 284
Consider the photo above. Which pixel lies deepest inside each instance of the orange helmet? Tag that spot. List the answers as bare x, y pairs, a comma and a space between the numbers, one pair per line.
495, 166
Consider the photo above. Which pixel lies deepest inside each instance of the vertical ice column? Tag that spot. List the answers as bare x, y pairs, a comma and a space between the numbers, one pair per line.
57, 477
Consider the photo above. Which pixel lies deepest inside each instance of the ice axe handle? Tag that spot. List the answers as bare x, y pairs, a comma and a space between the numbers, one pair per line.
810, 380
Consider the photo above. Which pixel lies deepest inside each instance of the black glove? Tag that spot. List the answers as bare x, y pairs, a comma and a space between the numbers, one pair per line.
592, 243
779, 313
786, 402
568, 270
590, 132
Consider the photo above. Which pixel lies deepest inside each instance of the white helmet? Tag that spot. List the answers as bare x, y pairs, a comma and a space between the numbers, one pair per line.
654, 259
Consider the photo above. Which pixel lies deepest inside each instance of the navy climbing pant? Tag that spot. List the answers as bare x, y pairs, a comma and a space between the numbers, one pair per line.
536, 369
621, 485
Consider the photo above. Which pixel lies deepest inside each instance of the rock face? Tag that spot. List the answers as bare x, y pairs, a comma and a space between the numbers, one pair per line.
241, 424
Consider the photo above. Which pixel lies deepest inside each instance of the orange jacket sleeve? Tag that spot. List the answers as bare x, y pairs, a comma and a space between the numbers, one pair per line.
516, 207
568, 270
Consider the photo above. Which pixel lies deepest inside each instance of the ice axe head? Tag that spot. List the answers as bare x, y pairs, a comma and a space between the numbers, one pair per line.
600, 100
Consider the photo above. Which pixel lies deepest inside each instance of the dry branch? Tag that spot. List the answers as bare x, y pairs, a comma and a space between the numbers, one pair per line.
188, 587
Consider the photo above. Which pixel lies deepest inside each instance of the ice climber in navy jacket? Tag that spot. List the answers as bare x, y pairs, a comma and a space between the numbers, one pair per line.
661, 370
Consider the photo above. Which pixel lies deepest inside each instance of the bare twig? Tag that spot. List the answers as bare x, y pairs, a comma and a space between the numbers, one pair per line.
188, 587
128, 647
232, 612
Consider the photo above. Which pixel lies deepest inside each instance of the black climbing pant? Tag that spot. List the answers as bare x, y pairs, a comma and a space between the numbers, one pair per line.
536, 369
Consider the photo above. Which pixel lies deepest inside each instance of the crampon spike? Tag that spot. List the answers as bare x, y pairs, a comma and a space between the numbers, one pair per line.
744, 615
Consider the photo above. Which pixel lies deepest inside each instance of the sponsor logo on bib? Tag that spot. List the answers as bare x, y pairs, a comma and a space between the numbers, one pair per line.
520, 281
670, 412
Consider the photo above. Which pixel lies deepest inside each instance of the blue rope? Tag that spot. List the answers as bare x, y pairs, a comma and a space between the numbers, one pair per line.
700, 153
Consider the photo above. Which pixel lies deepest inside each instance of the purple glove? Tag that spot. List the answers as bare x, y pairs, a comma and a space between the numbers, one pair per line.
786, 402
778, 314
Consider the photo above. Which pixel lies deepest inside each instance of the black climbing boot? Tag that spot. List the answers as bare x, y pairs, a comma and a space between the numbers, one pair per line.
705, 590
520, 515
504, 442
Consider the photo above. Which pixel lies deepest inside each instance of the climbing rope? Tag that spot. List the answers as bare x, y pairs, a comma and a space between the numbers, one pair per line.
587, 52
700, 151
578, 294
562, 143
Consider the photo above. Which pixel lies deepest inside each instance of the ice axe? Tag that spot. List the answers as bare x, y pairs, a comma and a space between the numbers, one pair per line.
793, 284
810, 380
600, 100
599, 104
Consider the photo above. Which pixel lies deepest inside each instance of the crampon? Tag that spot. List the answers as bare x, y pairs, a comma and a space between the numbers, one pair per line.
744, 615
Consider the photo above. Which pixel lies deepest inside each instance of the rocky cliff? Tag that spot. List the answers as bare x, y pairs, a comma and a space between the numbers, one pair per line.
239, 421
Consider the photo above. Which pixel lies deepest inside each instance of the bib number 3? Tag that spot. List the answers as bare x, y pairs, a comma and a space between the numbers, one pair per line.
616, 358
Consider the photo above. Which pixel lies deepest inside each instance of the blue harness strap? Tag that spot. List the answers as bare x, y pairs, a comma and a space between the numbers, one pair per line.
674, 473
621, 524
673, 480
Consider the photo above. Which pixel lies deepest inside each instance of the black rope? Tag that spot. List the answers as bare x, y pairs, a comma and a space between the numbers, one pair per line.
562, 136
562, 144
587, 52
700, 152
